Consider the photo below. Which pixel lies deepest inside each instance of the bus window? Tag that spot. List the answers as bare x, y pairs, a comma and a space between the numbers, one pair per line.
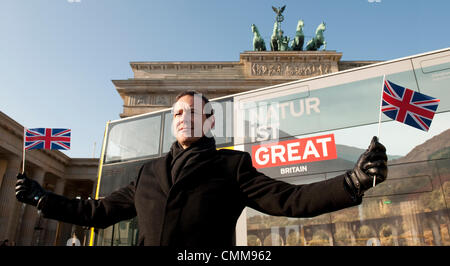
133, 139
168, 137
104, 237
124, 233
443, 168
265, 230
433, 75
405, 210
223, 130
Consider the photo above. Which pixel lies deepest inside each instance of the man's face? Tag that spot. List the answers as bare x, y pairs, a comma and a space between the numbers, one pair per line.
188, 120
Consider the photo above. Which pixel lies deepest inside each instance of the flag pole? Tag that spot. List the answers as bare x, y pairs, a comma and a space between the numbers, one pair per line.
381, 104
379, 117
23, 151
22, 208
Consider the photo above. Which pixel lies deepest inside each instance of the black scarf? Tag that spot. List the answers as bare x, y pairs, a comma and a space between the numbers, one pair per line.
182, 159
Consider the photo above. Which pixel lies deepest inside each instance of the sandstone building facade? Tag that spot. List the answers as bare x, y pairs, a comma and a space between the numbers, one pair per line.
156, 84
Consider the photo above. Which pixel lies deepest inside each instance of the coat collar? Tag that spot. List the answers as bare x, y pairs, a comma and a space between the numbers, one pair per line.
190, 168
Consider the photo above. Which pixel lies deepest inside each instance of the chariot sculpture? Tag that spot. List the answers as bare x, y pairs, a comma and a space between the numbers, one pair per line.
278, 42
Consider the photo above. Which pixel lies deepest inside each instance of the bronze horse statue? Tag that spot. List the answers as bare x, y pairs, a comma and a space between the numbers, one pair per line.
299, 39
258, 41
275, 38
318, 40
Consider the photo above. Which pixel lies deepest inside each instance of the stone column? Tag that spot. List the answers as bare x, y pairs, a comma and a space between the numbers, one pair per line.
30, 215
8, 201
3, 164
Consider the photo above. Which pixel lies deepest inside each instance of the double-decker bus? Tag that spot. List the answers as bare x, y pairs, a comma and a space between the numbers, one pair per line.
311, 130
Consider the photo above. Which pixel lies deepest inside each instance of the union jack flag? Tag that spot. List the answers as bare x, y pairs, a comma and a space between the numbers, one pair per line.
407, 106
47, 138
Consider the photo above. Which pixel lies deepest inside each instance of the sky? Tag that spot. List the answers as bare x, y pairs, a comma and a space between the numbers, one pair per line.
58, 57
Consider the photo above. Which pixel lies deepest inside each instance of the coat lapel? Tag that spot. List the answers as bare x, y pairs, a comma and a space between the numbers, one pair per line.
203, 162
162, 173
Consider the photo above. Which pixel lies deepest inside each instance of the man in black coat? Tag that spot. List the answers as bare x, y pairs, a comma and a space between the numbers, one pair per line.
194, 195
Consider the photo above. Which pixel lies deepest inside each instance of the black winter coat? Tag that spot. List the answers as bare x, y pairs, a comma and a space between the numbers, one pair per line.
211, 188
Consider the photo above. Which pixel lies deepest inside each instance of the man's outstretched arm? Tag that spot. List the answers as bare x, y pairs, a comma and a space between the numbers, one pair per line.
96, 213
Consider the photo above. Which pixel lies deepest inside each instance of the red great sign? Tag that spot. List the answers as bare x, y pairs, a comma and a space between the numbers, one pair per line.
318, 148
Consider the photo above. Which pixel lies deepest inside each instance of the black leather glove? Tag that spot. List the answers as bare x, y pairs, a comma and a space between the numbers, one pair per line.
373, 162
28, 191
